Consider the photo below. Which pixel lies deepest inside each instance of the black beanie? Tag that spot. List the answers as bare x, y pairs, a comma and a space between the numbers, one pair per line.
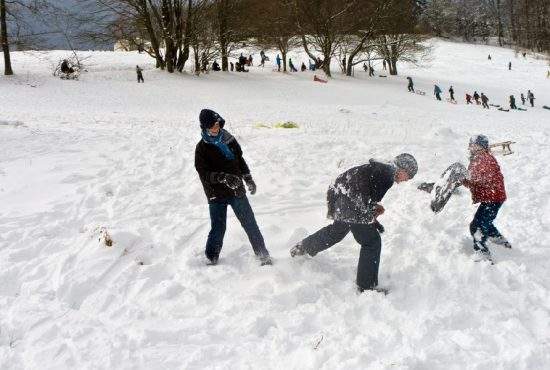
208, 118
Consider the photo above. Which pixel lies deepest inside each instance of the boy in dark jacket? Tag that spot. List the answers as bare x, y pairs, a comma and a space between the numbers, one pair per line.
486, 184
353, 205
222, 169
139, 73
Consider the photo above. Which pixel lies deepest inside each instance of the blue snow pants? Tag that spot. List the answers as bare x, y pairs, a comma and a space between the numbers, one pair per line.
218, 220
482, 226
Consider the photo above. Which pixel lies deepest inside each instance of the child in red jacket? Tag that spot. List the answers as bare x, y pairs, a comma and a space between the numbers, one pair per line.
487, 186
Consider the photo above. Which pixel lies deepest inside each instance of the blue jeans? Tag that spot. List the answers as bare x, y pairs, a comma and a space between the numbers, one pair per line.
365, 234
482, 226
218, 219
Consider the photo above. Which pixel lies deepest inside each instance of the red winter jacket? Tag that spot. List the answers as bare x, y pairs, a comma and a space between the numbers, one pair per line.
485, 179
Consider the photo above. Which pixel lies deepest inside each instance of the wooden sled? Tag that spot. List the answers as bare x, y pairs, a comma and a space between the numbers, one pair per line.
317, 79
503, 110
450, 101
494, 105
505, 146
420, 92
546, 107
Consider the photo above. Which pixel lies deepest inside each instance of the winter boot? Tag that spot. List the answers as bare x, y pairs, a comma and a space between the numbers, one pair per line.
297, 250
212, 261
266, 261
482, 255
500, 240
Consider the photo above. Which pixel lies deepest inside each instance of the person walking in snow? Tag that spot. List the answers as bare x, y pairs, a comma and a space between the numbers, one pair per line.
484, 101
437, 92
513, 102
291, 65
531, 98
278, 60
522, 99
486, 184
489, 57
468, 99
509, 66
221, 167
216, 66
262, 58
410, 86
353, 205
476, 97
371, 71
452, 94
139, 73
384, 64
303, 68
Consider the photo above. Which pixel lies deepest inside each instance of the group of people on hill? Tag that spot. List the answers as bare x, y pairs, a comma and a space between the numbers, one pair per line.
480, 99
353, 199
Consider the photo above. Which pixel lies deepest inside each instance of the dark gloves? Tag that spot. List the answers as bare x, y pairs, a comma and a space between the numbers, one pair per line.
250, 183
232, 181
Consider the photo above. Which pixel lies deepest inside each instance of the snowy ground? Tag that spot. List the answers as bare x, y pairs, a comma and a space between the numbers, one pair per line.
78, 157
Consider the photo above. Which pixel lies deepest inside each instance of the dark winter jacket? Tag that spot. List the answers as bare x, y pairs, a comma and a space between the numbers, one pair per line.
354, 194
210, 160
485, 179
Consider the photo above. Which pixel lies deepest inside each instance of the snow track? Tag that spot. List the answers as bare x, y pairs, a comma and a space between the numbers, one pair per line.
119, 157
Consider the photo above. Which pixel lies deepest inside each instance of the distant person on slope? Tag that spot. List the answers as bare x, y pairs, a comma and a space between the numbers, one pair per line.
522, 99
216, 66
278, 60
509, 66
437, 92
531, 98
452, 94
410, 86
468, 99
291, 65
139, 73
222, 169
489, 57
352, 202
486, 184
485, 101
476, 97
513, 102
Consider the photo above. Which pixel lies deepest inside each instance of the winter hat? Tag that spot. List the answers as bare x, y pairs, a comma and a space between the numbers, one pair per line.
480, 140
405, 161
208, 118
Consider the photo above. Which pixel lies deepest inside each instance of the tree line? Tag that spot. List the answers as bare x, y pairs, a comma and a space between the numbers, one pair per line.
521, 23
177, 33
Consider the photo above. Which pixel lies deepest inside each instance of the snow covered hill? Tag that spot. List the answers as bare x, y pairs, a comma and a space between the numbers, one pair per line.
104, 153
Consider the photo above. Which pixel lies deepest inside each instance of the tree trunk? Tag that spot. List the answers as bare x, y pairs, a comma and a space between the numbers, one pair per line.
283, 54
222, 33
4, 39
184, 52
393, 66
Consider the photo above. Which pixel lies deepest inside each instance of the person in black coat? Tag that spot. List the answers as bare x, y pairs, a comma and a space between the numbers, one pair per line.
352, 202
452, 93
221, 167
410, 86
513, 102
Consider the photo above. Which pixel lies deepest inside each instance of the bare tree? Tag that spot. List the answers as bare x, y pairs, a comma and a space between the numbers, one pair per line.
322, 25
272, 24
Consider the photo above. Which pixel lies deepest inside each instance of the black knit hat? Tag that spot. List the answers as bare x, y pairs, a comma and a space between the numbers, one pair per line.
208, 118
